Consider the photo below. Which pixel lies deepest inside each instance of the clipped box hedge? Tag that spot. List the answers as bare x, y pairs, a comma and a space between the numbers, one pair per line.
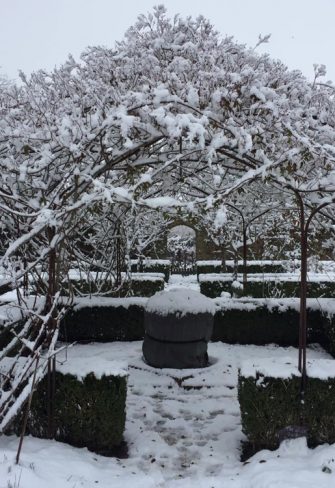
140, 285
205, 267
104, 320
269, 397
236, 321
263, 321
146, 284
88, 412
152, 266
263, 286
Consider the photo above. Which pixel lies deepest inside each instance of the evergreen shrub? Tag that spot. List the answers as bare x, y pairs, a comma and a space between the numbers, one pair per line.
269, 405
89, 413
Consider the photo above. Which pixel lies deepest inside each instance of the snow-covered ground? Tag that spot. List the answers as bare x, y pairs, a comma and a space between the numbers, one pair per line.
183, 430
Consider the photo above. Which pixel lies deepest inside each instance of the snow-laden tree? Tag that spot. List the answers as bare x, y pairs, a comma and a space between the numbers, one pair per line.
173, 116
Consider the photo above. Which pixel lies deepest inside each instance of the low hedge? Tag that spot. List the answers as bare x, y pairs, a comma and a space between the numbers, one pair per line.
204, 267
89, 413
146, 286
153, 266
140, 285
263, 286
265, 321
104, 320
270, 404
236, 321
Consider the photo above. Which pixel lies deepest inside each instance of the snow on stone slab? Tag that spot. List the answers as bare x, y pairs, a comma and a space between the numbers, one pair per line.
81, 367
285, 367
181, 301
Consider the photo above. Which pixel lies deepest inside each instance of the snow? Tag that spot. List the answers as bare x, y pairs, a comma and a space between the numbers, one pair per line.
272, 367
325, 305
277, 277
180, 301
76, 275
83, 302
147, 276
178, 281
322, 369
152, 262
80, 367
180, 434
229, 262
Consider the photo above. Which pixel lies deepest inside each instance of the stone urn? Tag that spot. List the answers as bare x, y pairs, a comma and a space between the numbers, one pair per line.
178, 325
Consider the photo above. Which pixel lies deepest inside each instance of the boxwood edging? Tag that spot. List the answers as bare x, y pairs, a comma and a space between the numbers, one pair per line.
262, 286
87, 412
204, 267
153, 266
236, 321
139, 285
264, 321
270, 404
104, 320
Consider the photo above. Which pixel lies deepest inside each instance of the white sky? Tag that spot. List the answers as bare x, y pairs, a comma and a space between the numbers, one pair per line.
40, 33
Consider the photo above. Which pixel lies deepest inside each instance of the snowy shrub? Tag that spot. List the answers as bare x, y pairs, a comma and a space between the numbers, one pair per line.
262, 286
153, 266
206, 267
104, 320
88, 412
136, 284
270, 401
267, 321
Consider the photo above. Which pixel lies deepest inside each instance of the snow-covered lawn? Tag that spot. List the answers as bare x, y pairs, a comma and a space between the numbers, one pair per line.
183, 430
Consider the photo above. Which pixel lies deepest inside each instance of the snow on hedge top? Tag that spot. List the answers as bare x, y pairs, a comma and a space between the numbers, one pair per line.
287, 368
82, 366
181, 301
124, 302
260, 277
326, 306
230, 262
147, 262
